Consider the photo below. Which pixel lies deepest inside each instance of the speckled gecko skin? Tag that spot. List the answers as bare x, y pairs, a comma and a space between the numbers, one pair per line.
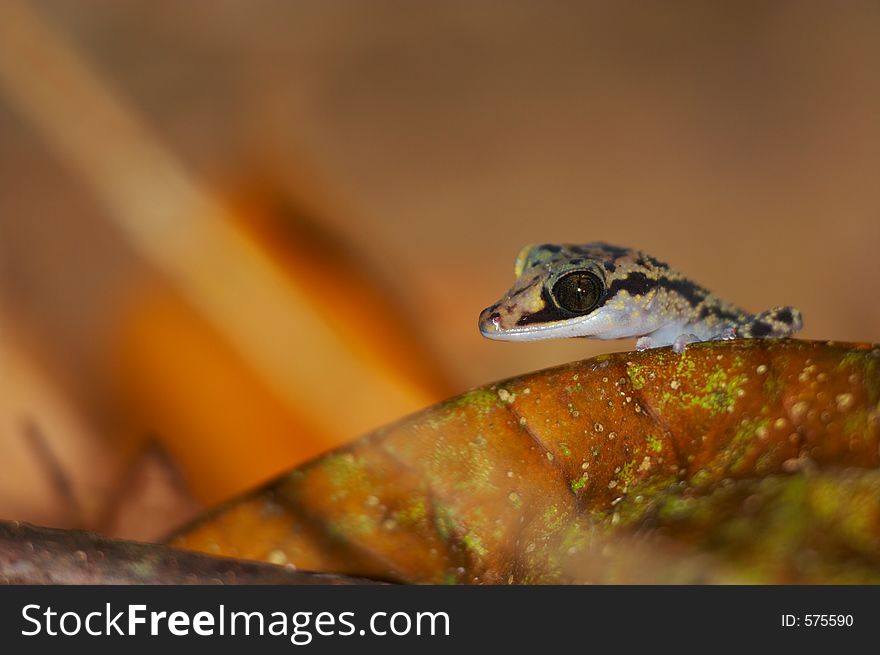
602, 291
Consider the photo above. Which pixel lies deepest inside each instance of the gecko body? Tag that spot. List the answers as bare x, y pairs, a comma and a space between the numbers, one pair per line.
601, 291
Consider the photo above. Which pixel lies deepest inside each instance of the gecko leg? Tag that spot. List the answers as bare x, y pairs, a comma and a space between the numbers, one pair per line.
682, 340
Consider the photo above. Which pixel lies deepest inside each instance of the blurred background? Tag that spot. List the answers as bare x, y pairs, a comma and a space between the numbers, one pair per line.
236, 234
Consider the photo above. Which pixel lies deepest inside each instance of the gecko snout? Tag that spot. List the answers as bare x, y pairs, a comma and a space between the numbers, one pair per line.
489, 319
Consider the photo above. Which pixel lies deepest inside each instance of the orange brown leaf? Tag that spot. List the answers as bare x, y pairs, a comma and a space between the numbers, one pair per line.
736, 461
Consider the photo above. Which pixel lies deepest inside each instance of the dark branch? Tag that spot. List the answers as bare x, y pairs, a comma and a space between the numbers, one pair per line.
32, 555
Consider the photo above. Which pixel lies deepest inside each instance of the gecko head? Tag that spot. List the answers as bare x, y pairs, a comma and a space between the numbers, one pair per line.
560, 291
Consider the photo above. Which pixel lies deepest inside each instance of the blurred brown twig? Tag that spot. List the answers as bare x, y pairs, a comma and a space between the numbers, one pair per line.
32, 555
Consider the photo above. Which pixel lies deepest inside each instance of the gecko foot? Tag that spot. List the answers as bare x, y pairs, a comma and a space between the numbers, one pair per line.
726, 334
682, 340
644, 343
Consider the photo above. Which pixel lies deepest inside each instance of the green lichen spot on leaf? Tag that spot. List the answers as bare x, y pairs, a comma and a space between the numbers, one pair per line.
577, 484
685, 367
483, 400
701, 478
654, 444
852, 359
474, 544
627, 473
444, 521
642, 499
718, 393
773, 386
553, 518
564, 449
413, 513
637, 375
346, 474
450, 526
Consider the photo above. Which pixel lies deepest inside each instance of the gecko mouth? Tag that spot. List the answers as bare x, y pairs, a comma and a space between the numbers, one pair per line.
491, 328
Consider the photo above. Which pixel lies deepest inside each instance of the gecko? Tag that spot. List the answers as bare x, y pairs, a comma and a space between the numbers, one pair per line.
602, 291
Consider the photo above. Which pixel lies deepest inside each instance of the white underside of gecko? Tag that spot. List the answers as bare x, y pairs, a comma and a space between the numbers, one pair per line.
601, 291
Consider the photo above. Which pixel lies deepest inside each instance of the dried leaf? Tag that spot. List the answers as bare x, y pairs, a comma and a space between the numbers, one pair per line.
736, 461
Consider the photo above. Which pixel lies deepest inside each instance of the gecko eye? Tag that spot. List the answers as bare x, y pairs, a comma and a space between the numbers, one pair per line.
578, 292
